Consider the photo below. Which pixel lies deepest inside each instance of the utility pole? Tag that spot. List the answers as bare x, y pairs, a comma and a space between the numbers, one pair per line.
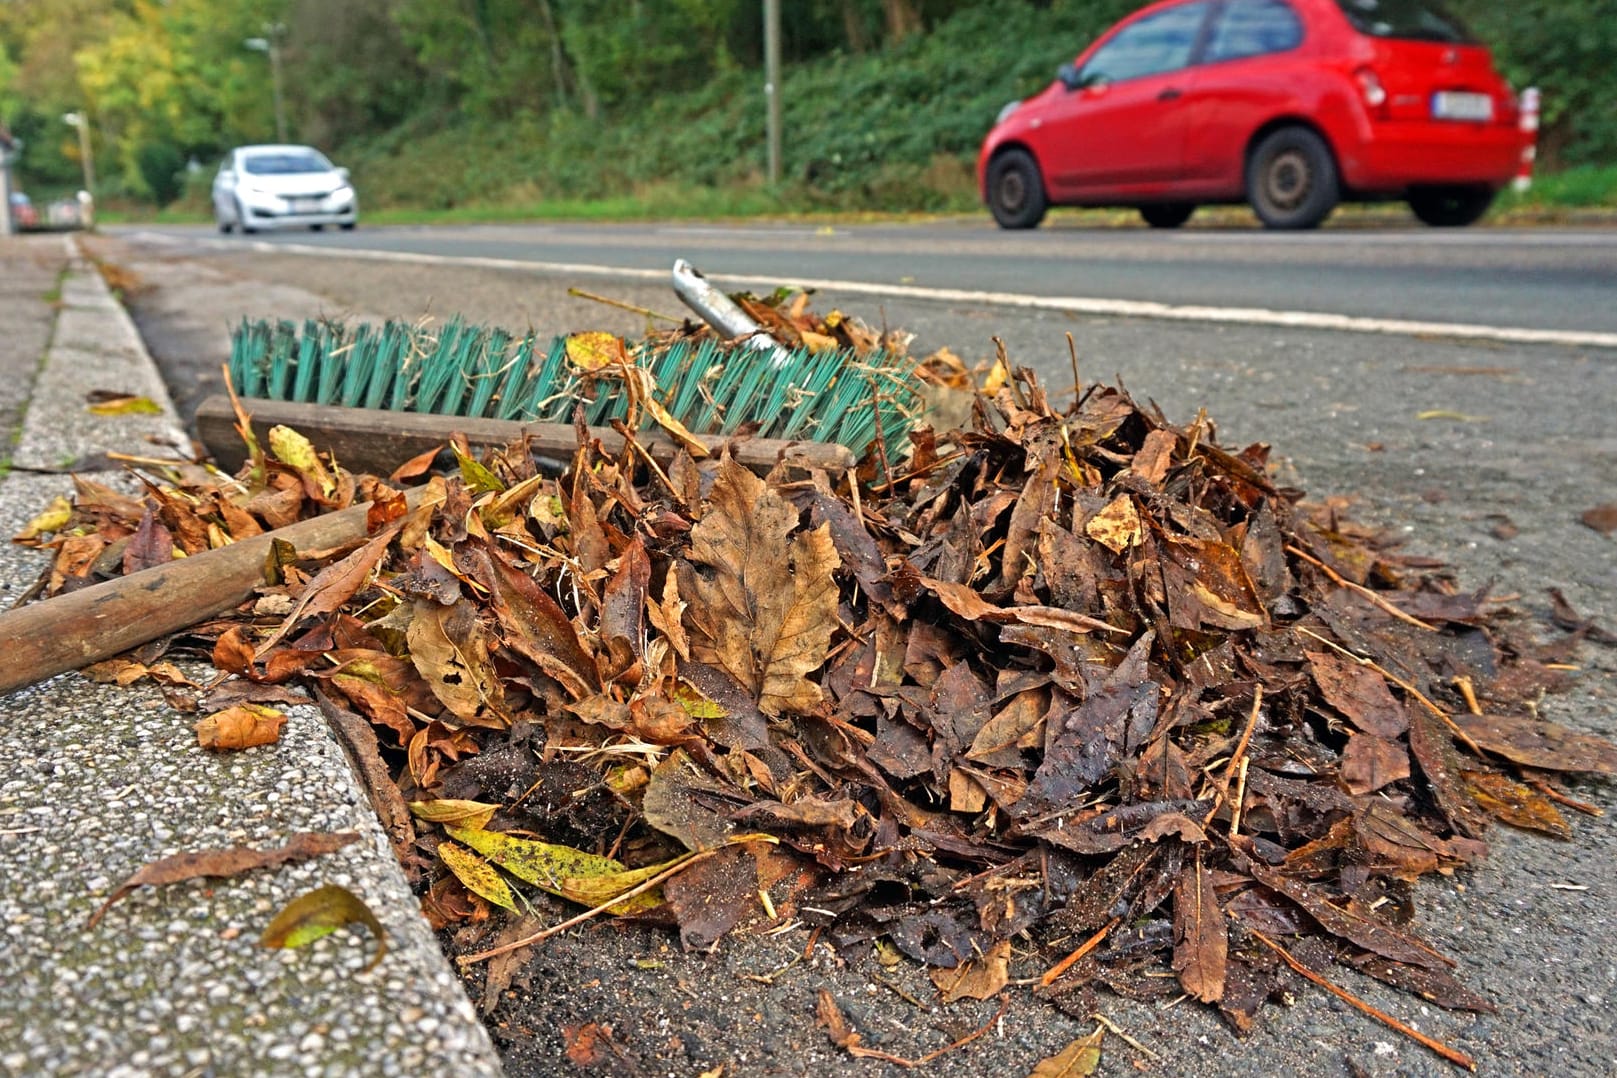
81, 120
772, 83
270, 43
8, 146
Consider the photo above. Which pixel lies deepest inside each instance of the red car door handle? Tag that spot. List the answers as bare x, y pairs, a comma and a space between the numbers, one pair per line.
1170, 94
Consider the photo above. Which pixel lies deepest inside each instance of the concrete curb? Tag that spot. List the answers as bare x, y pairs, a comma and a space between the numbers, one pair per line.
102, 781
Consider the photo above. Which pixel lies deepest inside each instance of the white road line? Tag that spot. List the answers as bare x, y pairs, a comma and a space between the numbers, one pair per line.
1116, 308
1347, 237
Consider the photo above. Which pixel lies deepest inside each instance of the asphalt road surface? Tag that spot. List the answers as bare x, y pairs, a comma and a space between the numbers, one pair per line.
1559, 280
1440, 439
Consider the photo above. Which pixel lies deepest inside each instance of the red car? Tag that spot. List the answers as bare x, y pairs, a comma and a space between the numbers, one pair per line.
1290, 105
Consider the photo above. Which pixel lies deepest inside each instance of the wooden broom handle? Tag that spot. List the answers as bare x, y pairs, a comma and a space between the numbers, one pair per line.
94, 623
370, 440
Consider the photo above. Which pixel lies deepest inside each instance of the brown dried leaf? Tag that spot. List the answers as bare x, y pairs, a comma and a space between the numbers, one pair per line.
678, 802
964, 601
981, 977
711, 896
767, 605
1360, 693
1201, 942
150, 546
535, 625
1432, 747
335, 585
1602, 518
1370, 762
1366, 932
1080, 1059
1515, 804
226, 863
450, 651
1536, 743
830, 1016
244, 726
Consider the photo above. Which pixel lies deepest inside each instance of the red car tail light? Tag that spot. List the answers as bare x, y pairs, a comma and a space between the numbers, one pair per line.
1375, 95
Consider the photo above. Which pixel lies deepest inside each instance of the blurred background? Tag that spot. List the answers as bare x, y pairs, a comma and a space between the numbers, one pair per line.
509, 108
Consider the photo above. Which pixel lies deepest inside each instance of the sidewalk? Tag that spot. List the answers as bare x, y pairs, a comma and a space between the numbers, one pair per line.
99, 781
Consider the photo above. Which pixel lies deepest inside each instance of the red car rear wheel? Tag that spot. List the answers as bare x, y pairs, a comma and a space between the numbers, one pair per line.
1291, 179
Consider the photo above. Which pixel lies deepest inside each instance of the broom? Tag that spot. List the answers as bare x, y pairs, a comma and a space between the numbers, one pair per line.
523, 384
377, 397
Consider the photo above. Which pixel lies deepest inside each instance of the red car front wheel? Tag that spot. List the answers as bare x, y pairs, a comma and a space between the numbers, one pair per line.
1016, 190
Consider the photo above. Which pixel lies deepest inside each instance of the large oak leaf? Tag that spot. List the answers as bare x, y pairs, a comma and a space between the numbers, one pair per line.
763, 603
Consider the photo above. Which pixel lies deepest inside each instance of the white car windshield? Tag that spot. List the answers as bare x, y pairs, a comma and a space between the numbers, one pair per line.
285, 163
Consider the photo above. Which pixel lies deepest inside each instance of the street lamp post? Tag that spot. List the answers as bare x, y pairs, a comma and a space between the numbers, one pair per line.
271, 44
772, 85
86, 159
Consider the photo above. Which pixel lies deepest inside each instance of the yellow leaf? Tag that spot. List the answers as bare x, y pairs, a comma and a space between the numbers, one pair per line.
593, 891
593, 351
1078, 1060
320, 913
55, 517
673, 426
998, 376
473, 814
479, 479
817, 342
695, 704
127, 406
508, 506
557, 869
295, 451
1116, 527
478, 875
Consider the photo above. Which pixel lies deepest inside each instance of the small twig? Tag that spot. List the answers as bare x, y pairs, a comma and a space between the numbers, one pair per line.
769, 978
881, 439
1371, 664
1342, 582
1236, 759
814, 937
616, 900
1240, 798
1456, 1057
1562, 799
1117, 1031
1055, 971
898, 990
1467, 690
633, 443
1246, 735
647, 312
1077, 382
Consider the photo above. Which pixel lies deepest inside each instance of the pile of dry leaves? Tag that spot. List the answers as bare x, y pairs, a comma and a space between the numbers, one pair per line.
1080, 676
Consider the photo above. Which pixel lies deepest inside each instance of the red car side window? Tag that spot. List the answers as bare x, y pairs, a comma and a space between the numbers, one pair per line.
1156, 44
1254, 28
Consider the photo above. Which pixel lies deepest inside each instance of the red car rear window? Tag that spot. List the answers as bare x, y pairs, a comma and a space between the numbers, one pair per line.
1413, 20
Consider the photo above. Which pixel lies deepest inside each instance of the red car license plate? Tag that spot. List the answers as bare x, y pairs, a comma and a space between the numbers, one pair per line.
1452, 105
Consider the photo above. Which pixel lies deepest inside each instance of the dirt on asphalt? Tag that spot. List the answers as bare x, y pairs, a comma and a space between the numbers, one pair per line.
1524, 435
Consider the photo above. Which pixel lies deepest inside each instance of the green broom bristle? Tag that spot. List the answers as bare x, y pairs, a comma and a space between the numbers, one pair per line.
463, 370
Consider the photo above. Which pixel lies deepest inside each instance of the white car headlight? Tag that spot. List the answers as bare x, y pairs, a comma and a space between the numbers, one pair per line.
1004, 113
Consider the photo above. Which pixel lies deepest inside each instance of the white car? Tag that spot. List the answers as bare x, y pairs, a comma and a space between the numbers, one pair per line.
282, 187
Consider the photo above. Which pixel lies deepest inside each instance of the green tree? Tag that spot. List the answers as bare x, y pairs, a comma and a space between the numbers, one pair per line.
1564, 47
